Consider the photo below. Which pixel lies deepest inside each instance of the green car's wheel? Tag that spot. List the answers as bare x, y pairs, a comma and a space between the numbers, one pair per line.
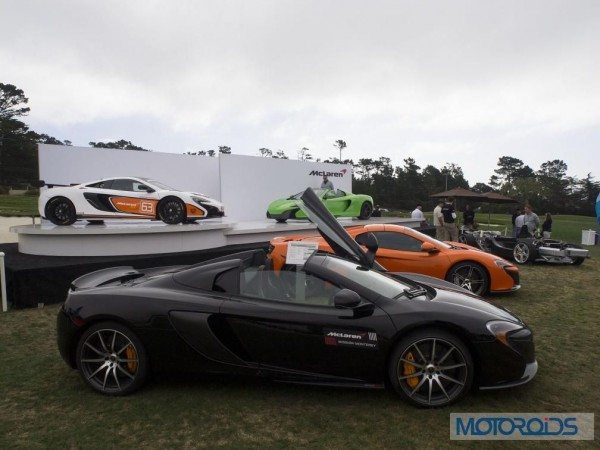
281, 220
365, 211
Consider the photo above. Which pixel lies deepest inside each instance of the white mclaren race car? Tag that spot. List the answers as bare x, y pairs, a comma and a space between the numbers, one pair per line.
125, 198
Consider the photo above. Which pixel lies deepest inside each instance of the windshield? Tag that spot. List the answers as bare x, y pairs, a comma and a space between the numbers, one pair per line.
158, 184
297, 196
375, 281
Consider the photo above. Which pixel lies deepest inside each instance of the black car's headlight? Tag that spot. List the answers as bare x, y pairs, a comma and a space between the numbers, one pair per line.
501, 328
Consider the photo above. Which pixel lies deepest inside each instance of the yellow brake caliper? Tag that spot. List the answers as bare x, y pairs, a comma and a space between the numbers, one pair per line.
131, 355
409, 369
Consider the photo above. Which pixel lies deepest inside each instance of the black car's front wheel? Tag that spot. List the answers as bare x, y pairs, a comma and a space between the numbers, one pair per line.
431, 368
171, 211
112, 359
470, 276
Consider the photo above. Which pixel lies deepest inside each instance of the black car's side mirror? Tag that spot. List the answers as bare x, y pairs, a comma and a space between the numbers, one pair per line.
346, 298
370, 241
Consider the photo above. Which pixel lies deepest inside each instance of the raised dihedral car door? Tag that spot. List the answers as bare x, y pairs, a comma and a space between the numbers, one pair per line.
131, 197
399, 252
305, 333
336, 201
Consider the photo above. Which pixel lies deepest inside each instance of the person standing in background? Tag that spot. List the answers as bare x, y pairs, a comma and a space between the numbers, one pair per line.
469, 217
520, 228
531, 220
449, 214
417, 214
516, 214
438, 222
547, 227
326, 184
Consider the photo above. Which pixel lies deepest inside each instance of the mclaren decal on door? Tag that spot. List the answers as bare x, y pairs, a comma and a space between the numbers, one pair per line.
131, 205
125, 198
341, 338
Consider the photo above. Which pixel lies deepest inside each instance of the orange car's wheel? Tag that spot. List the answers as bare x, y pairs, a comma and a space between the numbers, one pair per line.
470, 276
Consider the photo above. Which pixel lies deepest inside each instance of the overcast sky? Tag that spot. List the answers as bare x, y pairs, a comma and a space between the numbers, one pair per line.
444, 81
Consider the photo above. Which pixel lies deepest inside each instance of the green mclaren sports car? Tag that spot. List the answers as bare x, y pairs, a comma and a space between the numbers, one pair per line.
338, 202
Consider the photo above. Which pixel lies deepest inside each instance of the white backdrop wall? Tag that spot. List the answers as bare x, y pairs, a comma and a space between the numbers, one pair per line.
60, 164
245, 184
250, 183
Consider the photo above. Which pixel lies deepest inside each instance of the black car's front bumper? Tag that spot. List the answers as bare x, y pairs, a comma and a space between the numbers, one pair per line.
528, 375
66, 337
502, 365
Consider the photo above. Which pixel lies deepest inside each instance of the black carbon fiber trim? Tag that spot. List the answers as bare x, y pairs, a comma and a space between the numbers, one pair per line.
212, 211
100, 201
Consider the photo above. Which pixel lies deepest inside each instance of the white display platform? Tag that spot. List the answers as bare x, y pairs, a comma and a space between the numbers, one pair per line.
118, 238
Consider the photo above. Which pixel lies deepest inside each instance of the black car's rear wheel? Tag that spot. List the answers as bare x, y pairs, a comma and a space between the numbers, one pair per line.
111, 359
365, 211
171, 210
524, 252
470, 276
430, 368
60, 211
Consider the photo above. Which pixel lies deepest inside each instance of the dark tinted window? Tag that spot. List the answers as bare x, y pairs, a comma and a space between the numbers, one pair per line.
106, 184
397, 241
123, 184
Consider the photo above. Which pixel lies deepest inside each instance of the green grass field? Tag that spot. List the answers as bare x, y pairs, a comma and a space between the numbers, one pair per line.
44, 404
18, 205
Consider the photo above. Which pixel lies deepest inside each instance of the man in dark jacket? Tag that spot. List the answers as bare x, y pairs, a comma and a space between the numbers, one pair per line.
450, 219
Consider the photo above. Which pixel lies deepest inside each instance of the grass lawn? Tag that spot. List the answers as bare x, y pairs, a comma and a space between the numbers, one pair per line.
45, 404
18, 205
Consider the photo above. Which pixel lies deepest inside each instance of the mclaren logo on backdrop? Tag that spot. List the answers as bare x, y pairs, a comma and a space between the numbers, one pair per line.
322, 173
361, 339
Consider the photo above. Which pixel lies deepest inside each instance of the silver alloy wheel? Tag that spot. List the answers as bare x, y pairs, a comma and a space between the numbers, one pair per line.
109, 360
470, 277
440, 371
521, 252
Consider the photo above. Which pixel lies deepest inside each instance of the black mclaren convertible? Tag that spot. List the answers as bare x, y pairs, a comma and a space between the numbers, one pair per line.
334, 321
525, 250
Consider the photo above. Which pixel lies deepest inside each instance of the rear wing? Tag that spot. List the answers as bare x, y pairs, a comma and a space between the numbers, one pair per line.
42, 183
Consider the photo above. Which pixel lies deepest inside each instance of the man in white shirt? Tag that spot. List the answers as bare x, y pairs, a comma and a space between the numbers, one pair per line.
530, 219
438, 222
418, 215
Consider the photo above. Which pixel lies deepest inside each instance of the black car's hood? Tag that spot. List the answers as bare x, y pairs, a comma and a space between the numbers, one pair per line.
450, 293
474, 302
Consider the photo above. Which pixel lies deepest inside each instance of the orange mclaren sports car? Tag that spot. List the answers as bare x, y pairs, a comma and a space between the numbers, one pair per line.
403, 249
